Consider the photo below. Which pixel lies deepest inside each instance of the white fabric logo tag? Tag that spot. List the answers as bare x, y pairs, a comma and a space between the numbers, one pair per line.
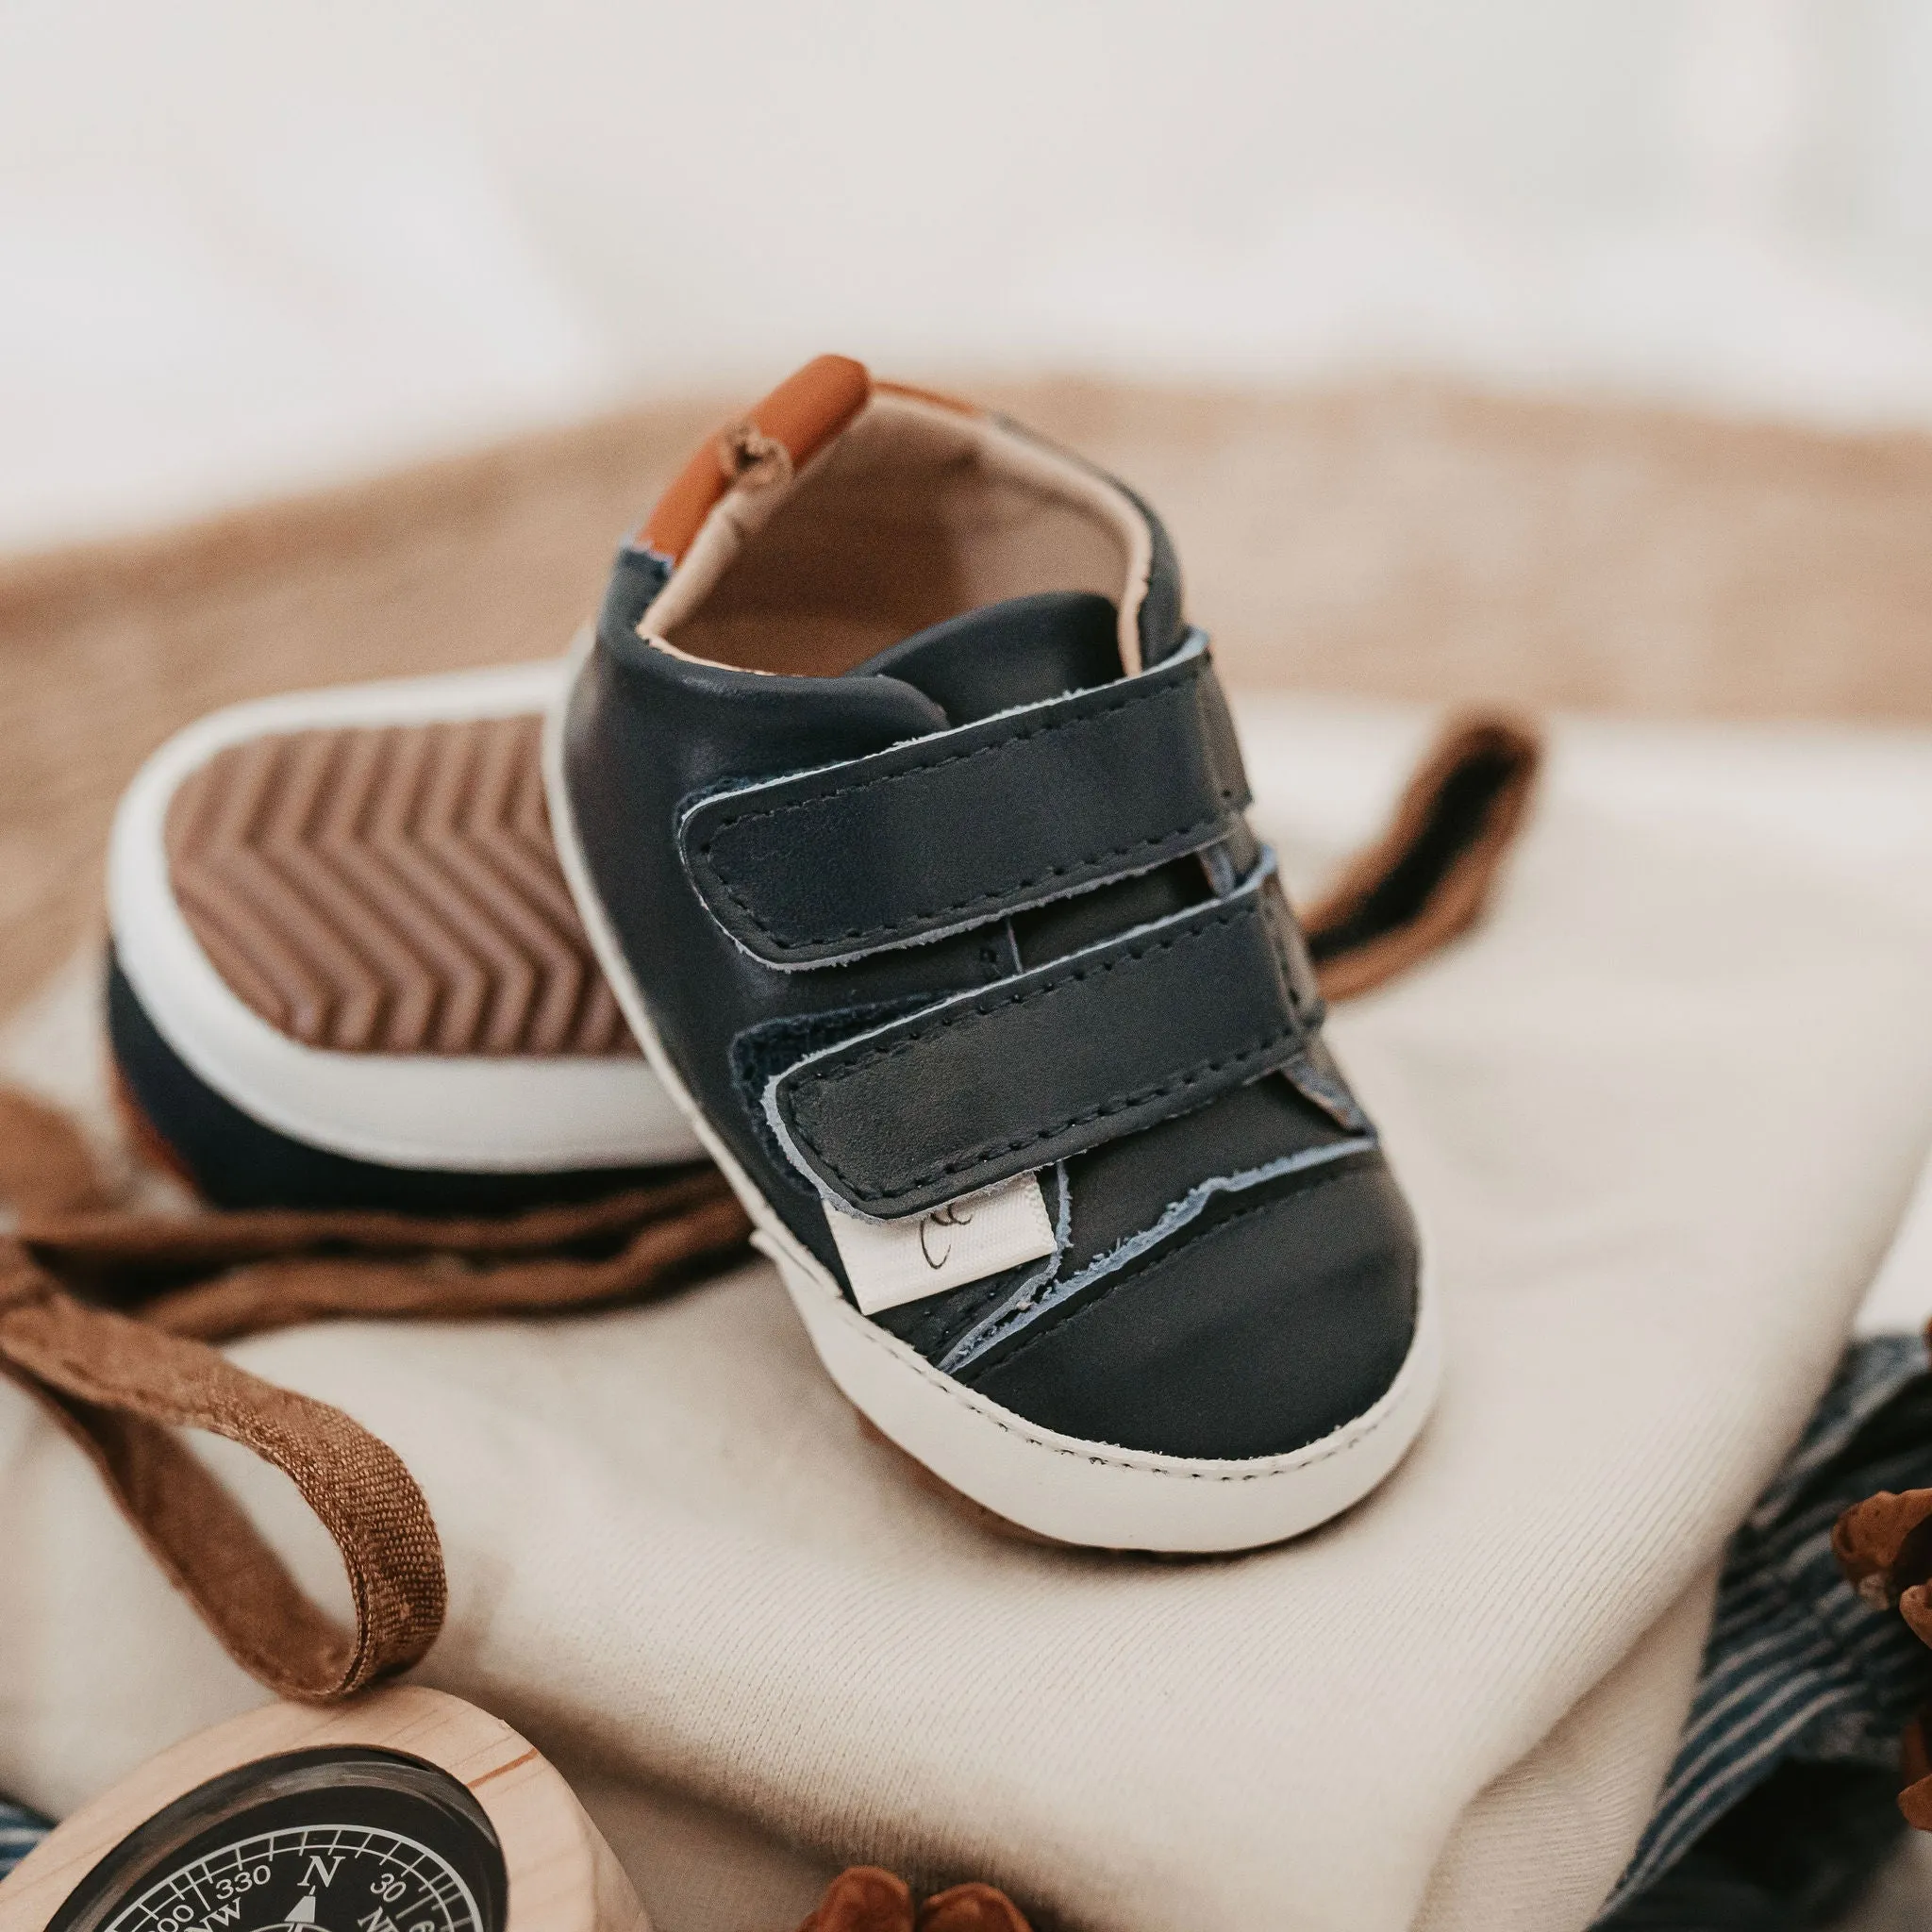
891, 1262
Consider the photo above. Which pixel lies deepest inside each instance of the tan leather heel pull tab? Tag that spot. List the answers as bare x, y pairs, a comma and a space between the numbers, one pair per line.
767, 445
122, 1380
1427, 880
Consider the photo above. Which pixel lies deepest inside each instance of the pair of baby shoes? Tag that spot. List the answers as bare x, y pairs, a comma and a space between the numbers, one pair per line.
884, 842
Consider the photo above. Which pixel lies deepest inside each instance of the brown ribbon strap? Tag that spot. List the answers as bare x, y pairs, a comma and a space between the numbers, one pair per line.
1427, 880
120, 1380
285, 1267
118, 1387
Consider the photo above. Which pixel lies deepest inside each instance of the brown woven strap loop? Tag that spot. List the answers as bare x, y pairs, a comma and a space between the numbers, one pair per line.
1429, 876
118, 1387
275, 1268
121, 1385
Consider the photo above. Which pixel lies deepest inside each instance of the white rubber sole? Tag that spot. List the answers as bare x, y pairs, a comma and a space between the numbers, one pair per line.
1073, 1492
457, 1113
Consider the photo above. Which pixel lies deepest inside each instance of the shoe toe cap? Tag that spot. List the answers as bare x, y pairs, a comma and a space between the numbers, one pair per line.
1265, 1330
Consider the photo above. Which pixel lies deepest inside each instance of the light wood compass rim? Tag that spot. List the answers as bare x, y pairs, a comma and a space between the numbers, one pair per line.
562, 1877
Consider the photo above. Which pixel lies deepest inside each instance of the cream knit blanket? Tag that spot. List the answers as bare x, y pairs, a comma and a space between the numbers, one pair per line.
1660, 1117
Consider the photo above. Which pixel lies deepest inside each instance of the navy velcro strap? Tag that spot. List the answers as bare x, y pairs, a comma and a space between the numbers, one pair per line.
992, 1083
963, 827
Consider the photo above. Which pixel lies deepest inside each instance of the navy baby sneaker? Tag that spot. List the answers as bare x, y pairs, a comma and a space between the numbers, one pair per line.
903, 809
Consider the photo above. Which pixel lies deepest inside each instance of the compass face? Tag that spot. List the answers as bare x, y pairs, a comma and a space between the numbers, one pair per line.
345, 1841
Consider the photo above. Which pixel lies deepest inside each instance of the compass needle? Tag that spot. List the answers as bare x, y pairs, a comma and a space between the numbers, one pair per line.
300, 1916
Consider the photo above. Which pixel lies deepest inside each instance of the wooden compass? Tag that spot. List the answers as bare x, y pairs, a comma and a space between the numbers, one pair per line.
404, 1811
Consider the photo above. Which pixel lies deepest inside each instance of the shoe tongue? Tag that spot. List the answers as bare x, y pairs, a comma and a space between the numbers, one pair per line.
1002, 654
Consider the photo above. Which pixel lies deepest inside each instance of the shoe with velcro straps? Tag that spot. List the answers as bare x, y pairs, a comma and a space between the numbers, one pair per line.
905, 814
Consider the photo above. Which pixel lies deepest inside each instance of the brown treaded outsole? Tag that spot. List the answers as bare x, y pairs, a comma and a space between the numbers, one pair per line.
392, 889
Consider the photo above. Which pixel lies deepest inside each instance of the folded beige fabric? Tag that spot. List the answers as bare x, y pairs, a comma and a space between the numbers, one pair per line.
1661, 1115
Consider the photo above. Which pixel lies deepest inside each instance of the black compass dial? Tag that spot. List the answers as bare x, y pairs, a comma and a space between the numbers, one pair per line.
339, 1840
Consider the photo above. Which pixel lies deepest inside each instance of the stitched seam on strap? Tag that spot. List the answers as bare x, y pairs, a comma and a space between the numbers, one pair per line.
1167, 693
1032, 995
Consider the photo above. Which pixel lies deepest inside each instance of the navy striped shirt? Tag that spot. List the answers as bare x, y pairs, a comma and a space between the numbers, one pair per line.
1798, 1667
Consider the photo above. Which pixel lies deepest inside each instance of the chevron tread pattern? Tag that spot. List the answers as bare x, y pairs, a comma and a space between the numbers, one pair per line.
390, 889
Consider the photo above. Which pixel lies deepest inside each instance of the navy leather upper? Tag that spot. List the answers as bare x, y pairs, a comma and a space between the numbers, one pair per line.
1051, 1063
958, 947
948, 831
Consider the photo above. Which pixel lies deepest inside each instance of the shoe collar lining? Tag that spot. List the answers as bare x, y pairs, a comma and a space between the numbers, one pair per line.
918, 511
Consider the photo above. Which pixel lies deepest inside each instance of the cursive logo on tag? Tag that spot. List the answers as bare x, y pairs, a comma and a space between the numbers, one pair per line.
888, 1262
948, 1216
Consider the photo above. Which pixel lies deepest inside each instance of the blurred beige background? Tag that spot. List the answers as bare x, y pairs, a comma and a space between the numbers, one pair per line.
1577, 353
247, 244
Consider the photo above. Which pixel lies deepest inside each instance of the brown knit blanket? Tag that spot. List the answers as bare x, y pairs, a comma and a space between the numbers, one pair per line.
1408, 540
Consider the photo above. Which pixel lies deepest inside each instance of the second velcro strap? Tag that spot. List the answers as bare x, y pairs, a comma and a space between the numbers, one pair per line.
992, 1083
966, 826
